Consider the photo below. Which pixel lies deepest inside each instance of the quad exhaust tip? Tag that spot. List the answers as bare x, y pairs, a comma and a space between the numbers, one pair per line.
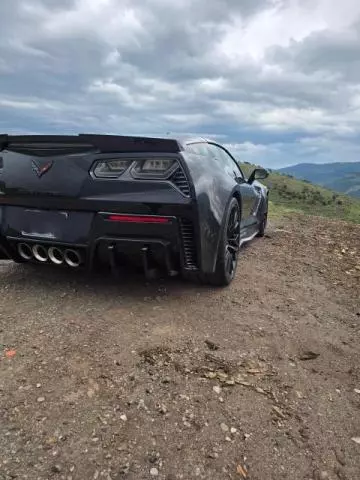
40, 253
25, 251
56, 256
72, 258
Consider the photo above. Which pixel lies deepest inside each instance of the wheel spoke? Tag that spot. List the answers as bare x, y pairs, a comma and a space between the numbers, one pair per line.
233, 228
229, 264
233, 241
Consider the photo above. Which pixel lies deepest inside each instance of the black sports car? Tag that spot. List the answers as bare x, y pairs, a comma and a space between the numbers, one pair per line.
179, 205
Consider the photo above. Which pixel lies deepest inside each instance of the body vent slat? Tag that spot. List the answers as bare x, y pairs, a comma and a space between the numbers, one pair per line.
181, 182
189, 246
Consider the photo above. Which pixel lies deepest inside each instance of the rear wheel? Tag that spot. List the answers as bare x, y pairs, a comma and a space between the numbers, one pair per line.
263, 224
229, 246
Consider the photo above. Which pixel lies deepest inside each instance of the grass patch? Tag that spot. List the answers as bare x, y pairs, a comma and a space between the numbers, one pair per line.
288, 194
277, 211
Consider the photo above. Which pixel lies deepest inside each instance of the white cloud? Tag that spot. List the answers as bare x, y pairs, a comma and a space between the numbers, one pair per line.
115, 22
284, 23
186, 119
18, 104
123, 94
275, 79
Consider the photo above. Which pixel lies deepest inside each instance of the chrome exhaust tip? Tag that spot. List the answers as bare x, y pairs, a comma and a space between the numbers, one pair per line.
72, 258
25, 251
56, 255
40, 253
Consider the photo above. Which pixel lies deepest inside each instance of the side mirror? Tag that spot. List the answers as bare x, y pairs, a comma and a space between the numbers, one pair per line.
258, 174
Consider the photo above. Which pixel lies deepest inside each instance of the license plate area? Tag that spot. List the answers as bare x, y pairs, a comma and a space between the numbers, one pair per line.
49, 225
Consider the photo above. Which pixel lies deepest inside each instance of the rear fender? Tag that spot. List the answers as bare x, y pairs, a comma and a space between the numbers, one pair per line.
212, 190
235, 193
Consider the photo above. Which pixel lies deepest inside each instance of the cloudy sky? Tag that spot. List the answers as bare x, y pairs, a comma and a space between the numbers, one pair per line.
278, 81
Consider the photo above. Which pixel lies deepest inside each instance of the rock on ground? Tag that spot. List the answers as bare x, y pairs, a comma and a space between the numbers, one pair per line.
115, 379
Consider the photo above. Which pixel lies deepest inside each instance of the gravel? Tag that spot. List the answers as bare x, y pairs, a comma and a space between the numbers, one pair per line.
86, 393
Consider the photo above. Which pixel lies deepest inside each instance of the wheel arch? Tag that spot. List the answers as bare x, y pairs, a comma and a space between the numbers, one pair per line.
234, 194
237, 195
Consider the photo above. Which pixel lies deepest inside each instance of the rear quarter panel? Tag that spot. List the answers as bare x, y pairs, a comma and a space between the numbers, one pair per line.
213, 189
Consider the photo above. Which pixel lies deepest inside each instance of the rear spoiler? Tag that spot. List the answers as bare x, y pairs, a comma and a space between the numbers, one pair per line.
45, 144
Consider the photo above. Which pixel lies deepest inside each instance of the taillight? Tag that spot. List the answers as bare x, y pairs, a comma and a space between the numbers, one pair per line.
111, 168
156, 168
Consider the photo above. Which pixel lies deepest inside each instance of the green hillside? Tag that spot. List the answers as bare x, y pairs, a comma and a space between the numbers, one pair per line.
343, 177
290, 194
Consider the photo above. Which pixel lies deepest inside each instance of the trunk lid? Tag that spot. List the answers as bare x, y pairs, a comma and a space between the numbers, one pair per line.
58, 166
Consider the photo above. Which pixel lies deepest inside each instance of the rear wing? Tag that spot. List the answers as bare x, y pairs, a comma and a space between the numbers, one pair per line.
42, 145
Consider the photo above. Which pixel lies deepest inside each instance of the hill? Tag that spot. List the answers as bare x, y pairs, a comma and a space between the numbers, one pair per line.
342, 177
290, 194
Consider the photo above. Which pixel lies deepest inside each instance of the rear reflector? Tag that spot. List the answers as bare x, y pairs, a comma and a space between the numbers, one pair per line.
138, 219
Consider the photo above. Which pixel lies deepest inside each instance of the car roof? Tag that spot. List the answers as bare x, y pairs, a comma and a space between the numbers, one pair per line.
184, 139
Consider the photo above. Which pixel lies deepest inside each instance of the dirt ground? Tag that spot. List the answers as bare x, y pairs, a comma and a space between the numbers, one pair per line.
105, 379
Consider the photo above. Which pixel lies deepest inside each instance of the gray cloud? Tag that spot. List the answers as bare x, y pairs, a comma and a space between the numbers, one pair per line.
230, 68
337, 53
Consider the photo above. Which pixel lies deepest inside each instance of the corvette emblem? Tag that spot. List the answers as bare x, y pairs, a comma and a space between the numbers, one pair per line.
40, 168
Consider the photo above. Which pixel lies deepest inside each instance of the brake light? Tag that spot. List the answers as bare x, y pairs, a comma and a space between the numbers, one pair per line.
111, 168
157, 168
156, 165
138, 219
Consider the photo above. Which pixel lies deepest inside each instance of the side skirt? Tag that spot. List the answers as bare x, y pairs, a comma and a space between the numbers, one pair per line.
248, 234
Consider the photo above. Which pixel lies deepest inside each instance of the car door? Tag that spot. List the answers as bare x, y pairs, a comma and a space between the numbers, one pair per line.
249, 196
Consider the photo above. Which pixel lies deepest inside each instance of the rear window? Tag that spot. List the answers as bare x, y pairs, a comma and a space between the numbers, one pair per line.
200, 148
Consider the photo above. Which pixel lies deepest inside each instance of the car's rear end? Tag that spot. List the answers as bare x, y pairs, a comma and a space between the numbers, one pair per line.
78, 200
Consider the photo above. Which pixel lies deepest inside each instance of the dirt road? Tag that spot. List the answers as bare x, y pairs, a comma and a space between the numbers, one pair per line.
174, 381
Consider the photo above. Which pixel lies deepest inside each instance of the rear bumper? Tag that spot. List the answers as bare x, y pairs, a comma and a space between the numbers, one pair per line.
166, 241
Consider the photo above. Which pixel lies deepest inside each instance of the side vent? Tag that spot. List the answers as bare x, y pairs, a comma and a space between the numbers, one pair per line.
189, 246
181, 182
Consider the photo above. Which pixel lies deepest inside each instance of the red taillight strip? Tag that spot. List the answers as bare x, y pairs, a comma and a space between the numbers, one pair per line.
138, 219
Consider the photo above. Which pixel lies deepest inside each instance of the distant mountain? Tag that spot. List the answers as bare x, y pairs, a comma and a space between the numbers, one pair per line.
289, 194
341, 177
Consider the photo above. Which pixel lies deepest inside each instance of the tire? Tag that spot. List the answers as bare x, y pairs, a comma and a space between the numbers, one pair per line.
263, 224
229, 246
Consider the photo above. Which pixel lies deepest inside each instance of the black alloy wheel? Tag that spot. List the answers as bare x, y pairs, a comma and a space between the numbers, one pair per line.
263, 224
228, 248
233, 240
